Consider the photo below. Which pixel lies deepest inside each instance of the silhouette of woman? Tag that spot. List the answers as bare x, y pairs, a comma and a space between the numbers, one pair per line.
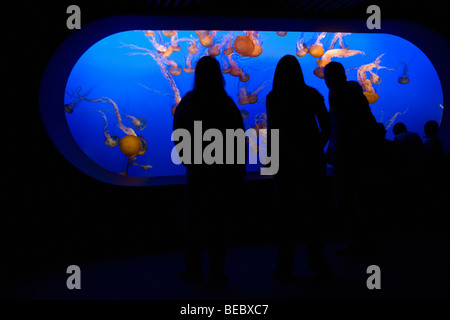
295, 108
210, 188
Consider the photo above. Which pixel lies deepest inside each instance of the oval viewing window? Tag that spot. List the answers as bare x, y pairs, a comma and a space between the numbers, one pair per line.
121, 93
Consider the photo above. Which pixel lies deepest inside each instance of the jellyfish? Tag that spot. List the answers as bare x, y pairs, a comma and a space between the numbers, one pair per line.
339, 37
169, 33
138, 123
302, 49
374, 78
162, 62
316, 49
281, 33
244, 97
188, 67
235, 71
404, 79
205, 37
391, 121
69, 107
244, 114
244, 46
319, 72
257, 49
175, 70
339, 53
144, 146
160, 47
214, 50
110, 141
229, 49
149, 33
130, 145
365, 83
174, 43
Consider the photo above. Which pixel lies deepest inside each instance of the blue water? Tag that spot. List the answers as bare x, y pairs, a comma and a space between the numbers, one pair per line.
134, 81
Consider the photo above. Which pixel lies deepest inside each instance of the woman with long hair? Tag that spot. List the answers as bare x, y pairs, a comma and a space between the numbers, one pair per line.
298, 111
210, 188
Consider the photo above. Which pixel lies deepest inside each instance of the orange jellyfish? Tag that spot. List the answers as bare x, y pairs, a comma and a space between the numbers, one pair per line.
229, 49
174, 43
175, 70
281, 33
319, 72
169, 33
339, 53
302, 49
110, 141
214, 51
257, 50
235, 71
206, 38
316, 49
162, 62
130, 145
243, 96
339, 36
374, 78
138, 123
149, 33
365, 83
404, 79
244, 46
188, 67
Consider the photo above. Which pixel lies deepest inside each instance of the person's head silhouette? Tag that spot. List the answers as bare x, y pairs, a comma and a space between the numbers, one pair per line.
399, 128
334, 74
380, 131
431, 129
208, 79
288, 75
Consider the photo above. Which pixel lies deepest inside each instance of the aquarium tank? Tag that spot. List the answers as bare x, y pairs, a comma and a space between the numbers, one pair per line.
122, 93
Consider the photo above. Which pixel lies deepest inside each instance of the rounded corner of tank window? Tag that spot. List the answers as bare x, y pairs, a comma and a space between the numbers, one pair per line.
112, 105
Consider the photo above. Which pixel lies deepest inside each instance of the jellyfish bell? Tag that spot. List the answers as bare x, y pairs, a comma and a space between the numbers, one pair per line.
176, 48
169, 33
149, 33
371, 97
192, 48
243, 100
144, 146
201, 32
244, 77
214, 50
281, 33
375, 79
403, 80
206, 40
322, 63
244, 114
319, 72
244, 46
316, 50
302, 52
257, 51
175, 70
189, 70
112, 141
228, 51
227, 70
252, 99
68, 108
130, 145
167, 53
139, 123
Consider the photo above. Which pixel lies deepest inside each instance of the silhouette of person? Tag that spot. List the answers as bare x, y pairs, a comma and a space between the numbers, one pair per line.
353, 137
294, 108
433, 164
210, 188
411, 156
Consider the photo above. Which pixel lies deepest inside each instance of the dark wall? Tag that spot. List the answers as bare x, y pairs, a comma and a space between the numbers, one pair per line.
52, 213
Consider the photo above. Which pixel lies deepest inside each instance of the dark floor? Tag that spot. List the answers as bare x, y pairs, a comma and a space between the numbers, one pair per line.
411, 268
